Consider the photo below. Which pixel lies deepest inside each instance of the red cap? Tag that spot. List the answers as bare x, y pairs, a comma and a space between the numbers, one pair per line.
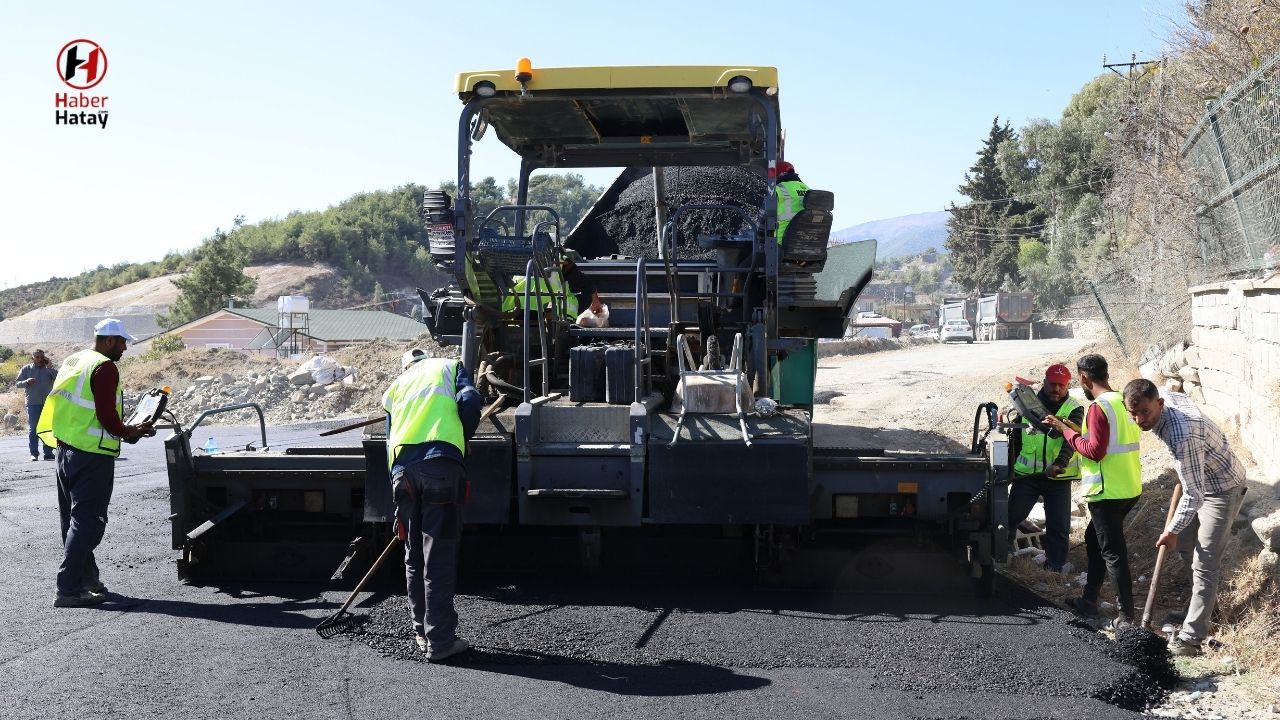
1057, 373
785, 167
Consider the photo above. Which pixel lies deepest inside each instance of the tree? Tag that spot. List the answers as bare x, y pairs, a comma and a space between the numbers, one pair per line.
485, 195
981, 234
215, 277
567, 193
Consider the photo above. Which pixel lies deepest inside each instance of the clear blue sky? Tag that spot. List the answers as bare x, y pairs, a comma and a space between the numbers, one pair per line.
253, 108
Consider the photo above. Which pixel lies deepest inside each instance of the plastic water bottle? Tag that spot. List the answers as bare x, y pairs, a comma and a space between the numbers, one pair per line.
210, 446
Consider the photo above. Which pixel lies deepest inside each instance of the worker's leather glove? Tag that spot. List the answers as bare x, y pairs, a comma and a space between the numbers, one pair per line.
401, 531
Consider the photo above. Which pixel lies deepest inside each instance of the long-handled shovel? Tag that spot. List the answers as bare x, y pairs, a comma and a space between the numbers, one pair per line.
343, 621
1155, 574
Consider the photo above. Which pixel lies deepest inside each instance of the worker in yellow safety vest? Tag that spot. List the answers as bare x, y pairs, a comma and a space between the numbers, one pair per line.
1111, 477
553, 294
432, 411
82, 418
1045, 468
790, 191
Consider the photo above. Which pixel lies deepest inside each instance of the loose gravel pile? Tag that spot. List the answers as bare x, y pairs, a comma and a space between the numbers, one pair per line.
1154, 673
628, 225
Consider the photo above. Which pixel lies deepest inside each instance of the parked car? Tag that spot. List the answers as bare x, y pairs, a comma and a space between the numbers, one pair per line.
921, 331
956, 330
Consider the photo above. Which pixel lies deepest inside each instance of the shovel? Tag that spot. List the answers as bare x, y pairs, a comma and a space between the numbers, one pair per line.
343, 621
1155, 574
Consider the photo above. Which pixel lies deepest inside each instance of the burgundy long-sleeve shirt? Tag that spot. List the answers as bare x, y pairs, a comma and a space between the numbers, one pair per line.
1093, 445
104, 381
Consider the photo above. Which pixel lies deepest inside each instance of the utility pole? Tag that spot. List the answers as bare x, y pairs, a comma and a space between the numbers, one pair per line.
1137, 69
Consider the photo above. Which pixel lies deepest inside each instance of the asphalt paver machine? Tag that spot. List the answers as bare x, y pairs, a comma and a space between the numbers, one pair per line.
692, 408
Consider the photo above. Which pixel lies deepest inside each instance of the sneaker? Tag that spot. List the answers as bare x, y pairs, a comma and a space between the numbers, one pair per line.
458, 646
1083, 608
96, 588
84, 599
421, 642
35, 458
1184, 648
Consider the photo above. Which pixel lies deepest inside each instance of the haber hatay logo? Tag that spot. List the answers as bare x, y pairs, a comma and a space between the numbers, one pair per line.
82, 64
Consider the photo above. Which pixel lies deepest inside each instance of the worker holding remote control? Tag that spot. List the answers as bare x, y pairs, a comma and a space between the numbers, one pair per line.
82, 417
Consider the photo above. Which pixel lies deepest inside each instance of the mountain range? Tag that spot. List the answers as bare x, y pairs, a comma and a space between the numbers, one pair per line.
900, 236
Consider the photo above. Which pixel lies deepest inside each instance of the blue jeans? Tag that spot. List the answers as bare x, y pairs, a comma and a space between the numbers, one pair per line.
1057, 514
85, 481
33, 417
429, 496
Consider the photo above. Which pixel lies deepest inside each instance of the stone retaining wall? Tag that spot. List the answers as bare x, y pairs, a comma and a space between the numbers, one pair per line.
1235, 351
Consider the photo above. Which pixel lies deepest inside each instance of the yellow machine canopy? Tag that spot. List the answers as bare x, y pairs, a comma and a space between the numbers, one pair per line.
621, 116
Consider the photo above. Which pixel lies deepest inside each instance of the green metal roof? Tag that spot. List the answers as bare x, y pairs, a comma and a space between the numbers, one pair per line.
334, 325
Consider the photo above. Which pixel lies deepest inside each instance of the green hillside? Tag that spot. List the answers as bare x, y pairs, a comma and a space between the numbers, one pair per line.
374, 240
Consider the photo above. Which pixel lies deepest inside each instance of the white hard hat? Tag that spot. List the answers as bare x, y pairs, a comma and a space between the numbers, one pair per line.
411, 357
112, 326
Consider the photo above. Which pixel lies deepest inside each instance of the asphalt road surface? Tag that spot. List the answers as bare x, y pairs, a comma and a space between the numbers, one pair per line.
891, 630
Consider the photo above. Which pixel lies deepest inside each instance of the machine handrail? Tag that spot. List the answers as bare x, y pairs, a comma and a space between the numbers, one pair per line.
262, 422
671, 231
642, 319
520, 210
542, 333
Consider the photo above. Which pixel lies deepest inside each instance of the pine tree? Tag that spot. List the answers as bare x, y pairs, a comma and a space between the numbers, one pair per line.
982, 234
215, 277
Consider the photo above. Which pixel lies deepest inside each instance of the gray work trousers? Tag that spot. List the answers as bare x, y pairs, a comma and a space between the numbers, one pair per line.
85, 482
429, 496
1203, 545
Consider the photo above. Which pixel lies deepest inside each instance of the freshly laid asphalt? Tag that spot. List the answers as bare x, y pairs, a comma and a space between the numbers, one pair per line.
872, 639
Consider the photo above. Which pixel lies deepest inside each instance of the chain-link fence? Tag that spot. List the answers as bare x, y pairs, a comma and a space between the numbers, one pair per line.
1235, 153
1143, 300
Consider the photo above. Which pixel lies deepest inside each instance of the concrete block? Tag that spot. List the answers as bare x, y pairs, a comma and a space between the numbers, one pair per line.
301, 377
1268, 328
1192, 355
1267, 528
1195, 392
202, 380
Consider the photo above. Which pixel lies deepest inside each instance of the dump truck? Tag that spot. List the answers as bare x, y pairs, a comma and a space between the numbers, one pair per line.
1004, 316
958, 308
691, 411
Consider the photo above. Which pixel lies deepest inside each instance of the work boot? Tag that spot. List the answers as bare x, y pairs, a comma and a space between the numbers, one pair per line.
84, 599
1084, 608
1184, 648
97, 588
1118, 622
458, 646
